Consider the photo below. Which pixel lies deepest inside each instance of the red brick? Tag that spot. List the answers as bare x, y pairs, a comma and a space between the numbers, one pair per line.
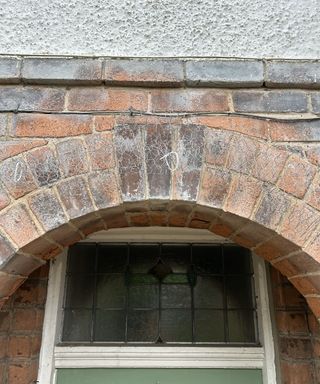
22, 264
215, 186
314, 304
243, 195
275, 247
313, 247
12, 148
140, 220
16, 176
104, 189
65, 235
75, 197
107, 99
22, 372
32, 292
248, 126
41, 99
227, 224
297, 176
101, 152
72, 157
19, 225
269, 163
7, 251
297, 264
182, 100
4, 199
19, 346
294, 323
313, 155
295, 348
179, 215
308, 284
300, 224
104, 123
9, 283
3, 347
51, 125
158, 218
243, 154
300, 131
313, 198
115, 217
251, 235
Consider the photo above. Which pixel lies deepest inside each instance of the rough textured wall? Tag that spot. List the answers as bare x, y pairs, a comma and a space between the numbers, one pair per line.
243, 28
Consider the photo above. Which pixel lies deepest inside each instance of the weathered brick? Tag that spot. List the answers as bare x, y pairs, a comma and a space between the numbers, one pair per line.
19, 346
275, 247
243, 154
16, 176
292, 74
296, 372
179, 215
104, 123
9, 70
44, 166
4, 198
22, 264
41, 99
273, 205
292, 323
300, 224
72, 157
182, 100
139, 219
47, 208
313, 197
308, 131
42, 125
9, 98
315, 102
314, 303
7, 251
62, 71
307, 285
189, 147
313, 155
65, 235
217, 145
243, 194
115, 217
296, 348
3, 124
107, 99
297, 264
10, 148
144, 72
297, 176
251, 235
159, 160
104, 189
9, 283
158, 219
33, 292
215, 186
246, 125
20, 372
101, 151
270, 101
75, 197
224, 73
269, 162
130, 155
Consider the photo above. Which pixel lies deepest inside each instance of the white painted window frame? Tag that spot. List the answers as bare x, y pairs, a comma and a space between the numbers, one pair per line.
53, 356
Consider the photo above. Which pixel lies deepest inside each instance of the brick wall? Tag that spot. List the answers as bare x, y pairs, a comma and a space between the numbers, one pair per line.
232, 146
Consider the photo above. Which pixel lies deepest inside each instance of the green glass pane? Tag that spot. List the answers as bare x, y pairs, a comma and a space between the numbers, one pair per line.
77, 325
144, 296
239, 293
237, 260
143, 326
176, 256
81, 259
209, 325
79, 292
208, 292
143, 257
112, 258
109, 325
241, 326
141, 279
175, 296
111, 291
176, 279
207, 259
176, 325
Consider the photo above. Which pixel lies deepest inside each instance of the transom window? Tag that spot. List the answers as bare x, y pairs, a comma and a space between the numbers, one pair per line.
159, 294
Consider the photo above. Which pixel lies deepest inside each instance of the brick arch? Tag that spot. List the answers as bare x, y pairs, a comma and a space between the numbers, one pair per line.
200, 173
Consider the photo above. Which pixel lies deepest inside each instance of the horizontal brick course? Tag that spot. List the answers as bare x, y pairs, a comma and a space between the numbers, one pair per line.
10, 70
292, 74
144, 72
62, 71
224, 73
